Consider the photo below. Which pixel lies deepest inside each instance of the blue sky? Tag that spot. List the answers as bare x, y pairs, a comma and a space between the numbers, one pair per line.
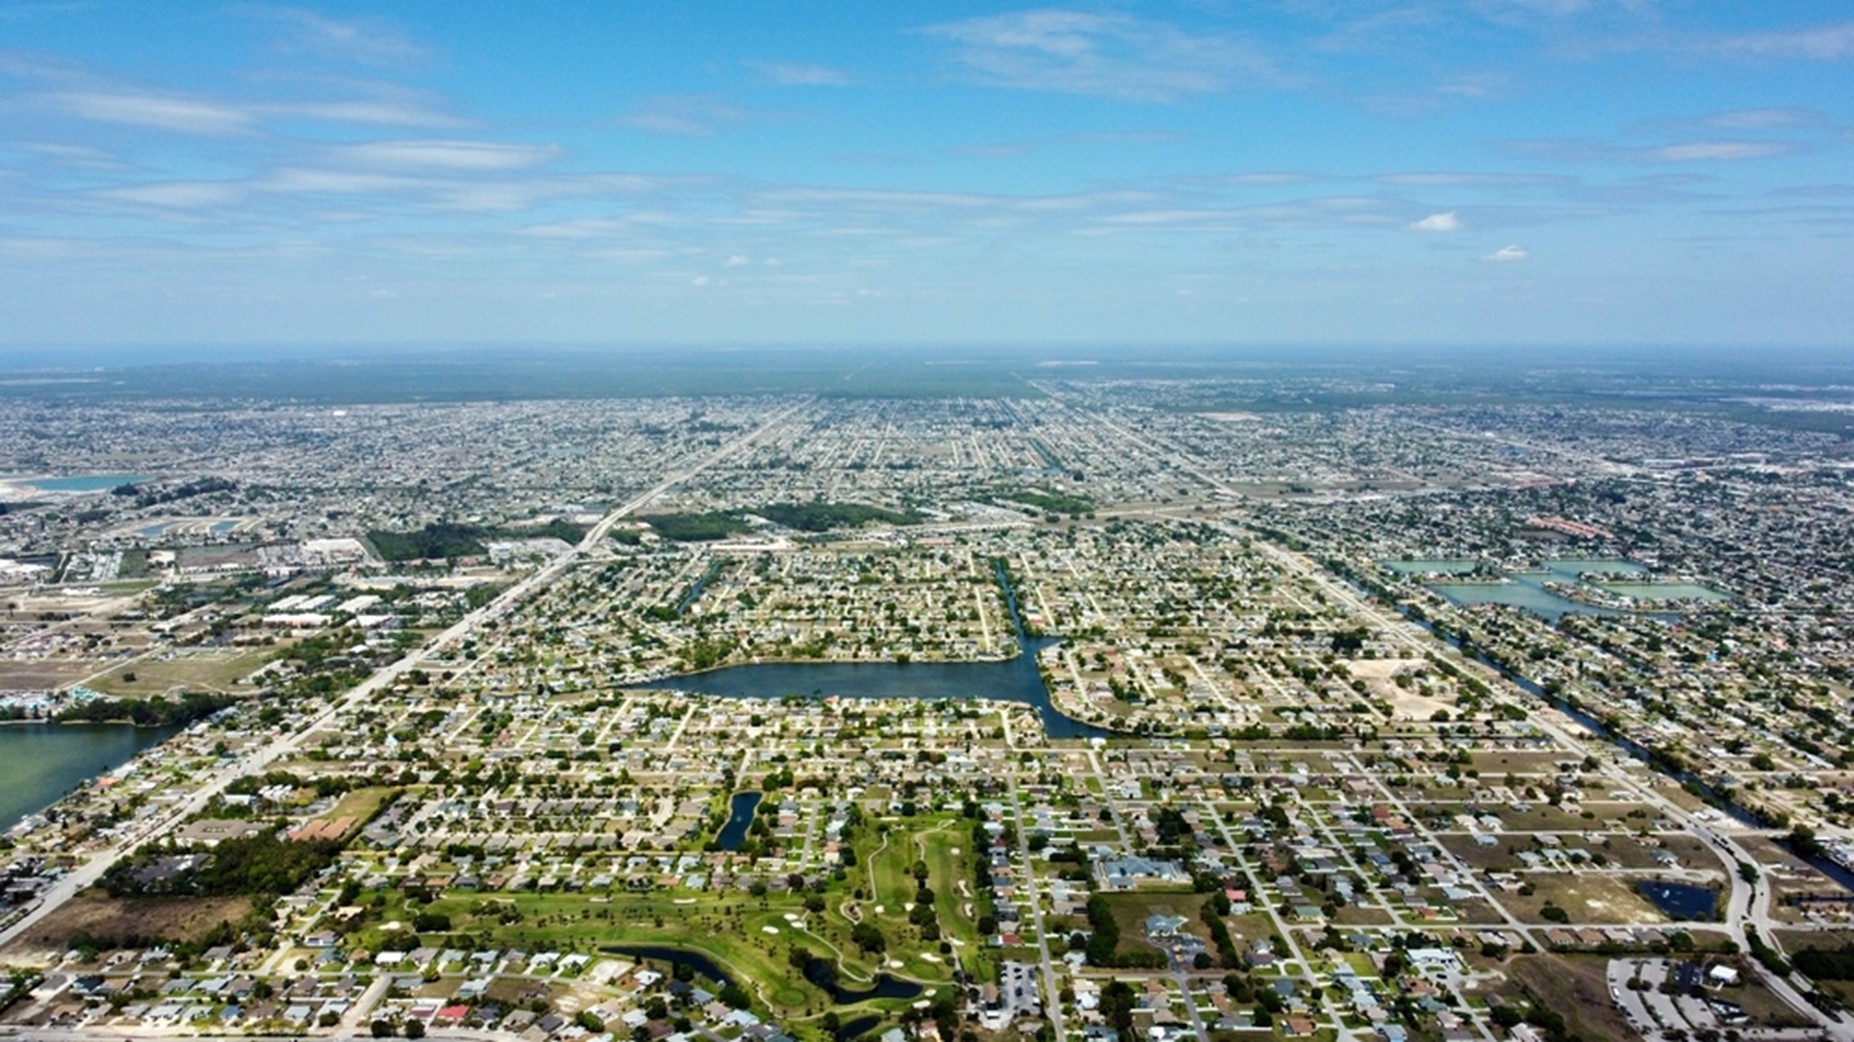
1474, 172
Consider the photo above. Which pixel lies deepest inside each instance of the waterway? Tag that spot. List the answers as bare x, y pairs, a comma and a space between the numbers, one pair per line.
1011, 680
739, 819
41, 763
696, 590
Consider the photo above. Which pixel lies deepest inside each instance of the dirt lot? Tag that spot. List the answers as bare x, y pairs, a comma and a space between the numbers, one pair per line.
99, 915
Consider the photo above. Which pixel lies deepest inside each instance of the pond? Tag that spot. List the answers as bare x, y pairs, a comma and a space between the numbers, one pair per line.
739, 818
1681, 902
702, 965
823, 974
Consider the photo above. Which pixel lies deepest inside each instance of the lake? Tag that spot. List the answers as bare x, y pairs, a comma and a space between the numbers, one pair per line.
1527, 589
1010, 680
82, 482
41, 763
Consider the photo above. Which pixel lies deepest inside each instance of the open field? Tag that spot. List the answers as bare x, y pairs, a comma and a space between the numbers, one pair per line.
99, 915
195, 670
1587, 897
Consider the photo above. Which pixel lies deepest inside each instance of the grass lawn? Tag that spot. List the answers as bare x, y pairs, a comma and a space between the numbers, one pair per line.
751, 937
199, 671
730, 929
950, 869
360, 804
1131, 909
885, 873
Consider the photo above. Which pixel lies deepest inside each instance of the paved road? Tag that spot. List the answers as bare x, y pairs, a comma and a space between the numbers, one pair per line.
258, 760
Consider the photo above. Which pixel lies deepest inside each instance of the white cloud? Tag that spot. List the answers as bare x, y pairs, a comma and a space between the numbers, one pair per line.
1678, 152
737, 260
379, 113
699, 280
1436, 222
1112, 55
449, 155
336, 182
793, 74
80, 156
1508, 255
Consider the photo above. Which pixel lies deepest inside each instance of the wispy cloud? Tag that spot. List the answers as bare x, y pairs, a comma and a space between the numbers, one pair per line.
685, 115
1816, 43
1720, 151
209, 116
186, 115
369, 41
375, 112
78, 156
1676, 152
1507, 255
25, 12
1765, 119
1111, 55
178, 195
795, 74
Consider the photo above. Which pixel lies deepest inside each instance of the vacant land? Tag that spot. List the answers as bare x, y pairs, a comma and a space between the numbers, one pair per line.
1576, 987
196, 671
98, 915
